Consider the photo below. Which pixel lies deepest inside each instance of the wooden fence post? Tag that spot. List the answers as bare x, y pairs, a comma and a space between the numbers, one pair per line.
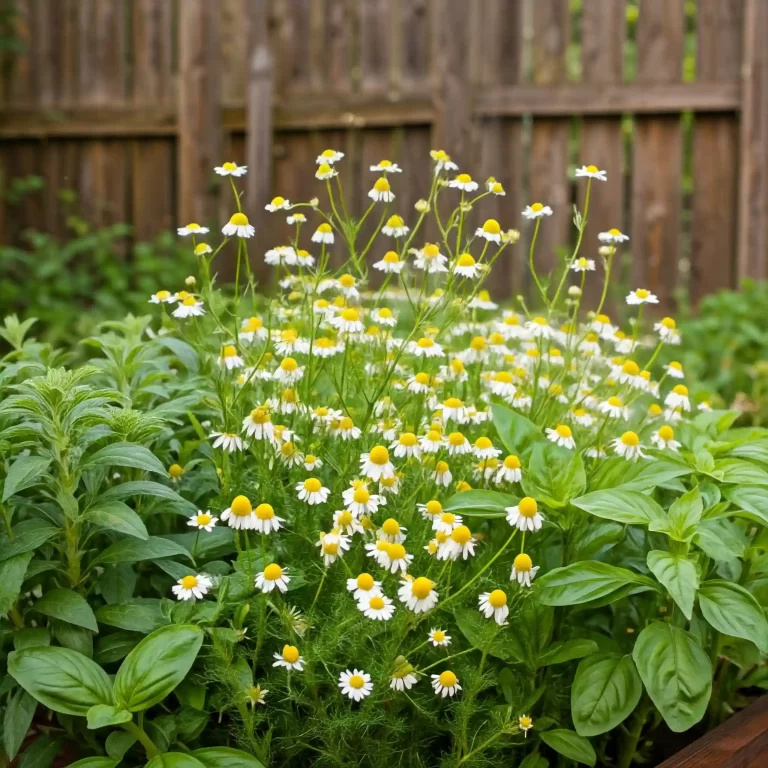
199, 138
753, 166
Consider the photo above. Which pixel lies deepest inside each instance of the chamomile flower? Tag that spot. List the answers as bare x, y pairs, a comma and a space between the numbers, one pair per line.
460, 543
376, 464
612, 237
406, 445
446, 683
502, 384
454, 409
525, 515
162, 297
510, 470
484, 449
273, 577
290, 658
386, 166
348, 321
278, 204
430, 259
332, 545
490, 231
394, 558
418, 594
641, 296
239, 514
561, 435
266, 521
296, 218
363, 586
356, 684
591, 172
391, 531
582, 418
674, 370
678, 398
463, 182
312, 491
442, 475
426, 346
667, 330
203, 521
664, 437
390, 263
403, 678
432, 442
192, 229
537, 211
289, 371
466, 266
381, 191
346, 522
395, 227
189, 307
438, 637
258, 424
526, 723
281, 254
360, 501
376, 607
252, 328
431, 510
614, 408
231, 169
329, 156
227, 441
323, 234
494, 604
325, 172
229, 359
523, 570
628, 446
346, 429
583, 265
202, 249
192, 587
238, 225
445, 522
257, 695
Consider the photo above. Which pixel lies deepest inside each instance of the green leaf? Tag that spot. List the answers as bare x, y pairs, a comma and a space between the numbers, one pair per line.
174, 760
616, 472
752, 501
722, 540
118, 582
135, 550
27, 536
24, 473
676, 673
182, 350
116, 516
118, 743
678, 575
31, 637
136, 617
73, 637
534, 760
144, 488
101, 715
734, 611
114, 647
60, 679
96, 762
622, 506
67, 605
157, 665
560, 652
605, 691
12, 572
586, 581
739, 472
516, 432
18, 717
485, 504
684, 516
481, 634
41, 752
554, 475
126, 455
225, 757
570, 744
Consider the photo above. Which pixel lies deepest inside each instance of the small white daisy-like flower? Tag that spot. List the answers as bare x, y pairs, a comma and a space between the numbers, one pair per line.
537, 211
202, 249
674, 370
458, 445
466, 266
614, 408
591, 172
376, 607
460, 543
325, 171
192, 229
252, 328
381, 191
296, 218
526, 723
289, 371
561, 435
463, 182
406, 445
525, 515
430, 259
582, 418
332, 545
392, 531
189, 307
384, 316
510, 470
419, 594
266, 521
667, 330
642, 296
432, 442
386, 166
394, 558
403, 679
612, 237
494, 604
445, 522
257, 695
395, 227
258, 424
502, 384
278, 204
348, 321
360, 501
227, 441
203, 521
273, 577
162, 297
239, 514
446, 683
312, 491
238, 225
363, 586
347, 522
678, 398
431, 510
426, 347
664, 437
231, 169
290, 658
192, 587
376, 464
628, 446
483, 449
494, 187
329, 156
583, 265
438, 637
356, 684
229, 359
281, 254
390, 263
453, 408
323, 234
523, 570
490, 231
345, 429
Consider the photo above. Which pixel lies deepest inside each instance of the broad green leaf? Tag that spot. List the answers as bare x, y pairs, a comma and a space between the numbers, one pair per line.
67, 605
18, 717
486, 504
114, 647
71, 636
125, 455
174, 760
684, 516
118, 582
534, 760
739, 472
60, 679
27, 536
41, 752
96, 762
734, 611
722, 540
156, 666
118, 743
678, 575
622, 506
616, 472
102, 715
554, 475
676, 673
144, 488
752, 501
570, 744
182, 350
135, 550
225, 757
213, 546
560, 652
31, 637
605, 692
12, 572
24, 473
586, 581
517, 432
116, 516
136, 617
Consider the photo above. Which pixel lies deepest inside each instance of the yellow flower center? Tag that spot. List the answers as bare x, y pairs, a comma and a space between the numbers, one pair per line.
408, 439
204, 519
613, 231
395, 221
641, 293
654, 409
289, 364
512, 462
452, 402
239, 220
438, 636
421, 587
498, 598
385, 312
377, 603
362, 496
290, 654
464, 178
241, 506
592, 168
188, 582
356, 681
228, 351
347, 281
426, 343
537, 207
346, 424
465, 260
259, 416
441, 467
396, 551
265, 512
379, 455
603, 319
456, 439
390, 526
526, 722
365, 581
390, 257
528, 507
278, 201
385, 163
631, 368
491, 227
433, 436
681, 389
483, 443
345, 518
350, 315
312, 484
175, 470
323, 342
669, 323
563, 430
630, 438
666, 432
430, 251
522, 562
448, 679
676, 366
330, 547
163, 294
253, 324
615, 401
434, 507
461, 534
287, 449
273, 572
381, 185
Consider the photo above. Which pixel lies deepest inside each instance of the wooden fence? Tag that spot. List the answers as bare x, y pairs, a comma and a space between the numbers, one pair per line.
132, 102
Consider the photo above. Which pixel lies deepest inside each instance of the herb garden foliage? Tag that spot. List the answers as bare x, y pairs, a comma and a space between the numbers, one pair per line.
347, 526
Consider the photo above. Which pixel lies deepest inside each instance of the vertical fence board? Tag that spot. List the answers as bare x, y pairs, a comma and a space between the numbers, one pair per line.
715, 152
549, 141
602, 52
657, 156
